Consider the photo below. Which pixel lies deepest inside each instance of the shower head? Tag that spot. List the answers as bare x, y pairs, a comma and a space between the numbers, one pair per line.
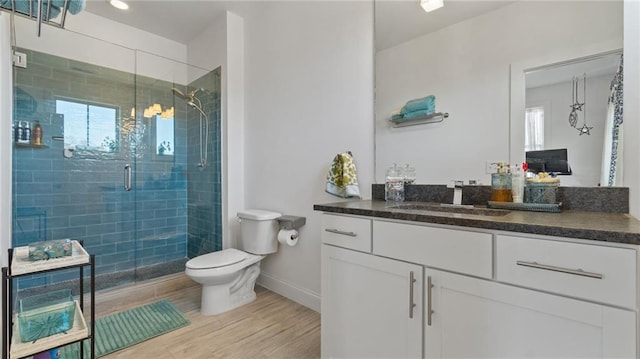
179, 93
197, 107
194, 102
189, 97
194, 92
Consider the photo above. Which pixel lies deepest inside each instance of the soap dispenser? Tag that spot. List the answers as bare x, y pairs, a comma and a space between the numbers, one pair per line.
517, 183
501, 183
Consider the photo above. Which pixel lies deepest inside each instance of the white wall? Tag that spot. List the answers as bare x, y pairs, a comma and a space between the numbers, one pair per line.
233, 140
309, 95
584, 152
466, 66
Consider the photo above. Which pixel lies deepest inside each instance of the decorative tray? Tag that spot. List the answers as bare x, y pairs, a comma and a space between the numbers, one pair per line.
22, 265
533, 207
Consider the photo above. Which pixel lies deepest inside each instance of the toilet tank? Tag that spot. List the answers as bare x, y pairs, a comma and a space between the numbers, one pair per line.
258, 231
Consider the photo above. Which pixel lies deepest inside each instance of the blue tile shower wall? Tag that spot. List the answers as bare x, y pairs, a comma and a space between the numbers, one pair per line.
82, 197
204, 190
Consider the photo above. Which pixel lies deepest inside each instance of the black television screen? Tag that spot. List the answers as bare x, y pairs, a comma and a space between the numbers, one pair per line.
553, 161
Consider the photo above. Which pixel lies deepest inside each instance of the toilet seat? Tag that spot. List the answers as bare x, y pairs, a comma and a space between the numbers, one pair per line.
223, 258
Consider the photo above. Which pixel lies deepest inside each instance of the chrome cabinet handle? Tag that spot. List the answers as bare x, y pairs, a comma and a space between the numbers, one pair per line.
412, 280
337, 231
127, 177
579, 272
429, 310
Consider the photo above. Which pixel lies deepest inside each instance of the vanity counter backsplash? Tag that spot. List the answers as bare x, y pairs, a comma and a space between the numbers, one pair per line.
599, 213
588, 199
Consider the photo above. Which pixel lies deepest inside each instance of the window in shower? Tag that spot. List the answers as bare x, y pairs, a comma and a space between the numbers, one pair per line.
89, 126
164, 136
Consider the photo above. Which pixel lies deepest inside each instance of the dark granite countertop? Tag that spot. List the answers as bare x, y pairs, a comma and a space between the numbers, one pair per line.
599, 226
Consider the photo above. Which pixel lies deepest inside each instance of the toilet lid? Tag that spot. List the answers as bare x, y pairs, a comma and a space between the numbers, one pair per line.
217, 259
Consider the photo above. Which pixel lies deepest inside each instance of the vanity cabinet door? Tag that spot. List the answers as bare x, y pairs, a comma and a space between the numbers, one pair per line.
370, 306
483, 319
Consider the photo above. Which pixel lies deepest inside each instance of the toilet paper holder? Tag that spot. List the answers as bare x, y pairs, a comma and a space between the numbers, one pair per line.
291, 222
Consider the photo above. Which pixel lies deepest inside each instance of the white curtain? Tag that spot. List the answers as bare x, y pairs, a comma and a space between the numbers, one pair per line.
534, 129
612, 155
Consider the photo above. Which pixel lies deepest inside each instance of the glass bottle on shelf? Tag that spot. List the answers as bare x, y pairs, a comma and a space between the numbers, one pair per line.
37, 134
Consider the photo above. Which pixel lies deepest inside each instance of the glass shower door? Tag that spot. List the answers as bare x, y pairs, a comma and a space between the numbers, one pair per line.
72, 185
177, 164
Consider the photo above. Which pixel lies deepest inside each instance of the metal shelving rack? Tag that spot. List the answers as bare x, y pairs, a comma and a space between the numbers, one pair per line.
19, 265
40, 11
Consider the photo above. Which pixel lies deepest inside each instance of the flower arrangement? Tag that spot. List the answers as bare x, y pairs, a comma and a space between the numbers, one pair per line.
109, 144
165, 146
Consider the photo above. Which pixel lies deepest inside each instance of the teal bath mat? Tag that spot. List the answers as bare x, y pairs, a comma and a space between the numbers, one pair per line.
130, 327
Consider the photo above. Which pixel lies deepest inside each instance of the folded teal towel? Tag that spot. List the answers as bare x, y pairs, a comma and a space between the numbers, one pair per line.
397, 116
417, 114
426, 103
74, 6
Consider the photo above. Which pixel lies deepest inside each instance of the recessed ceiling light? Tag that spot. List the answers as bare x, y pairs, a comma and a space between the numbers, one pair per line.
430, 5
119, 4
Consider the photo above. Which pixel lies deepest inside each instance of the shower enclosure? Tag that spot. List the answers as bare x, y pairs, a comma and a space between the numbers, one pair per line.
129, 161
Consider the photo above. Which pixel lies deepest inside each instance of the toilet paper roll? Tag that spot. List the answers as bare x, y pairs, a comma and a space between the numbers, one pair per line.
288, 236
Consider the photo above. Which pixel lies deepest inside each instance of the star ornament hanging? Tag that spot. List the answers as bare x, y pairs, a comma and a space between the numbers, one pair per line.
585, 130
573, 118
577, 106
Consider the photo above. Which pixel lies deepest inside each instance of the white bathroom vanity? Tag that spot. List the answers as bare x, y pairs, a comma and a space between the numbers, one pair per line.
393, 287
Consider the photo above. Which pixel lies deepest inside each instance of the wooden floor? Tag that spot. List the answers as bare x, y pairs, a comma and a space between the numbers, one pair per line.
270, 327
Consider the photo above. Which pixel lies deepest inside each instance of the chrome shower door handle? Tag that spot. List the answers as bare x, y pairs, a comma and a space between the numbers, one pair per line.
127, 177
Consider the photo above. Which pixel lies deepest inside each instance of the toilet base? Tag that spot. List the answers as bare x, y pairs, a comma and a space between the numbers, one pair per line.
217, 299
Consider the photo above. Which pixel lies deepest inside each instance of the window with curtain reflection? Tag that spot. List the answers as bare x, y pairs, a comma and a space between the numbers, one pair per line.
534, 129
164, 135
89, 126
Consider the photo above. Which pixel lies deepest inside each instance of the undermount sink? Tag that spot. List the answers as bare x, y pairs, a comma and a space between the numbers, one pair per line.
451, 208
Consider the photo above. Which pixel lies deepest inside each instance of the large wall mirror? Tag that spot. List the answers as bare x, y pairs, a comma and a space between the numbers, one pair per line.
574, 106
467, 55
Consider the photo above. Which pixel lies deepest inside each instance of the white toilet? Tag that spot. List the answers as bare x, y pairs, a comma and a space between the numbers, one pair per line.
228, 276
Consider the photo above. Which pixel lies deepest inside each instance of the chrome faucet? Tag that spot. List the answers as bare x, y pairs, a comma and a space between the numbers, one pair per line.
457, 192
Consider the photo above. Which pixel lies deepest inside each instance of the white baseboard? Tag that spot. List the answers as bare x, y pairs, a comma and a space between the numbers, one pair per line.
303, 296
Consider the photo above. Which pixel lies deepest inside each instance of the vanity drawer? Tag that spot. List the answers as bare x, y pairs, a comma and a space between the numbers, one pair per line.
347, 232
450, 249
599, 273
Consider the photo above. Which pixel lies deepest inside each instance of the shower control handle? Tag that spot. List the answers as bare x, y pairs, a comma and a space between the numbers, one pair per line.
127, 177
